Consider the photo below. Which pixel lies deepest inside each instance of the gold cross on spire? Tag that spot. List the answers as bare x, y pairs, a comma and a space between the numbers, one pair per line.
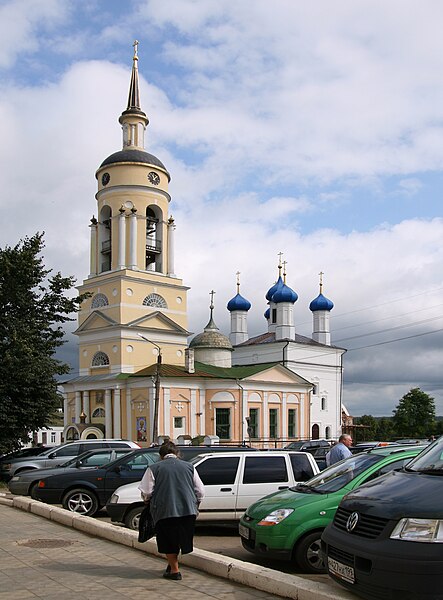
211, 293
321, 281
135, 45
238, 282
280, 254
284, 271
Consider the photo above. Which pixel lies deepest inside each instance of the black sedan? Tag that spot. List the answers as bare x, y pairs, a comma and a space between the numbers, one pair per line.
86, 491
25, 482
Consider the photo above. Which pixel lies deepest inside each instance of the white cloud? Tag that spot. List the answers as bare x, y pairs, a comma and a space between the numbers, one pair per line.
21, 21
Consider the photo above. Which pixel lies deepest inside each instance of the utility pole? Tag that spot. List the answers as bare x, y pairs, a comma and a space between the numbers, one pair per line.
156, 389
156, 397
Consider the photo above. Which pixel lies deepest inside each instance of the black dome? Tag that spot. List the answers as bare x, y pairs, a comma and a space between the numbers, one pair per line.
139, 156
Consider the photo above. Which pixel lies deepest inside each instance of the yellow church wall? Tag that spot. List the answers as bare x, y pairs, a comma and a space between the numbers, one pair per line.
126, 294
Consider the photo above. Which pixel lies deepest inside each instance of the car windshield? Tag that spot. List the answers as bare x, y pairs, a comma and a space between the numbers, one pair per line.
430, 459
337, 476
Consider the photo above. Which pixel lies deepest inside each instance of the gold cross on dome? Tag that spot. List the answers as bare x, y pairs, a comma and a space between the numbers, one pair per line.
211, 293
135, 45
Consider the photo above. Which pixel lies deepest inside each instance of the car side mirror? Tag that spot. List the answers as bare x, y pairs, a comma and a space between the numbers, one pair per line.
78, 464
53, 455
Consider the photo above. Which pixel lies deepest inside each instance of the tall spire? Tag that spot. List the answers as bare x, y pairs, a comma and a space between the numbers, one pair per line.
133, 119
134, 92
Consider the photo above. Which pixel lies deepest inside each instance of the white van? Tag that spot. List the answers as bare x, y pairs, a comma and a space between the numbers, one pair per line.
233, 481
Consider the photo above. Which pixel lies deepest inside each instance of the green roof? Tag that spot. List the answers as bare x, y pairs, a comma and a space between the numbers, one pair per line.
205, 371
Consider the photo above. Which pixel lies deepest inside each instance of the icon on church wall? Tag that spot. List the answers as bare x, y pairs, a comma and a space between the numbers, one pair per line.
141, 429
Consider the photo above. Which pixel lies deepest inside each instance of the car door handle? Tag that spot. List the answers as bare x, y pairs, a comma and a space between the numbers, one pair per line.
226, 489
283, 487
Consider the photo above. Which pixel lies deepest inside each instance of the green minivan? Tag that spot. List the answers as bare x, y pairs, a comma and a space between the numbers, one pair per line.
287, 525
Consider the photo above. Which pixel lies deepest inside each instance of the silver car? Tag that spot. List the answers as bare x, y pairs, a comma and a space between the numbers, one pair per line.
59, 455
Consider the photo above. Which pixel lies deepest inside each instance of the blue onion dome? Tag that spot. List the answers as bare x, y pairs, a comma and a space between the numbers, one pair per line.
238, 303
284, 294
274, 288
321, 303
267, 314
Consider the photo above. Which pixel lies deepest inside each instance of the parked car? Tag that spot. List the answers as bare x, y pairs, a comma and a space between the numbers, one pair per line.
87, 491
386, 537
59, 455
363, 446
24, 453
306, 444
25, 482
288, 525
232, 482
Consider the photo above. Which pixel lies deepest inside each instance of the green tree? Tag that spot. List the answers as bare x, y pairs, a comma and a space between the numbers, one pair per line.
415, 415
368, 432
33, 307
384, 430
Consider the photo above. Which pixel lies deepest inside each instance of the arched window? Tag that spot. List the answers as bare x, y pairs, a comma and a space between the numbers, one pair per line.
155, 300
328, 433
100, 359
99, 300
98, 413
324, 404
154, 219
315, 432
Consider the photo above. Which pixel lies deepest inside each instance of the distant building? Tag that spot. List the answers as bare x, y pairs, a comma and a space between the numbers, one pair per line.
138, 376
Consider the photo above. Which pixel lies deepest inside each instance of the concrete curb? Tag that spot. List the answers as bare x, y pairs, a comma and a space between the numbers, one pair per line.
255, 576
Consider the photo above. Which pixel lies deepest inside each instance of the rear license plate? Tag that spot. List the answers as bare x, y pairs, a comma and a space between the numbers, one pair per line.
341, 571
243, 531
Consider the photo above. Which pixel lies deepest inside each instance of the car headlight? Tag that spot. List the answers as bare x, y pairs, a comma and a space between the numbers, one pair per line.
419, 530
5, 466
114, 499
276, 516
16, 478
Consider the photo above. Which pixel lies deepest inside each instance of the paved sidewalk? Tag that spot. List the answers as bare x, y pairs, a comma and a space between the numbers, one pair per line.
43, 559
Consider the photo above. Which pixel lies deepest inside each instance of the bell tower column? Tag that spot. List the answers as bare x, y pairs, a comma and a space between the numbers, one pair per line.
93, 263
122, 239
171, 230
133, 239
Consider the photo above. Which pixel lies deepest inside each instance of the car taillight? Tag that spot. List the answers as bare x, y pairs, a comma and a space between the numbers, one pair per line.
41, 484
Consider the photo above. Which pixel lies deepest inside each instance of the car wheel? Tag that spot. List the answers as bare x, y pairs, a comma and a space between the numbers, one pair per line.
32, 489
81, 501
132, 518
307, 554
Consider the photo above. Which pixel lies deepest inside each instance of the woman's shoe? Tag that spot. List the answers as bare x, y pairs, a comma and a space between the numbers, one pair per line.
173, 576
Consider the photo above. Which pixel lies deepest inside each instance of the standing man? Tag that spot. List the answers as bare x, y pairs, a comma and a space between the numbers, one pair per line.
340, 450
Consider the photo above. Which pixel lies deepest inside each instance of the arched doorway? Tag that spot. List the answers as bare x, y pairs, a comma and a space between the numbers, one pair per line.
315, 434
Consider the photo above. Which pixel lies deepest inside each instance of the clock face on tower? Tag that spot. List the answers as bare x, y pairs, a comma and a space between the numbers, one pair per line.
153, 178
106, 178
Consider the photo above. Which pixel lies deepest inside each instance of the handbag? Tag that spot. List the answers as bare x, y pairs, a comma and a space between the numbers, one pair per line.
146, 528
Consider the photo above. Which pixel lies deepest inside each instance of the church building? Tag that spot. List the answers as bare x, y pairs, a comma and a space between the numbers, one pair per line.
139, 377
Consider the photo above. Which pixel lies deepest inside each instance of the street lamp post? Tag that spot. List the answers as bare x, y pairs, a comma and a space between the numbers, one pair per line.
156, 389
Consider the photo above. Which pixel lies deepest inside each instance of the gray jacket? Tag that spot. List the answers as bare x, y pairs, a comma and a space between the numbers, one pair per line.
174, 494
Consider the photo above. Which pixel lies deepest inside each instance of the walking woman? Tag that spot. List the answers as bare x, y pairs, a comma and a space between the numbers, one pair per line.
175, 491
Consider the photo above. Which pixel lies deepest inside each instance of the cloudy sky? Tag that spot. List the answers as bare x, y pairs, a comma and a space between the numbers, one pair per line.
309, 128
